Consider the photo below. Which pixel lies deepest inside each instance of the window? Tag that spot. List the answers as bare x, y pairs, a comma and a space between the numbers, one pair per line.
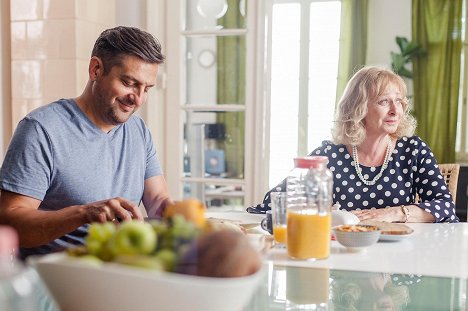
303, 53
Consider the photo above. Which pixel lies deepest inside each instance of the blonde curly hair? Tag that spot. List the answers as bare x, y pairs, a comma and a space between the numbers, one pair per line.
364, 87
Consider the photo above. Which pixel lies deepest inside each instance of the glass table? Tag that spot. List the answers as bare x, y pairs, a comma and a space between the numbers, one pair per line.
427, 270
306, 288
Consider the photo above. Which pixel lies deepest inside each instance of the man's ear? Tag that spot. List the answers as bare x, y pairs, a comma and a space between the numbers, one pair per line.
96, 68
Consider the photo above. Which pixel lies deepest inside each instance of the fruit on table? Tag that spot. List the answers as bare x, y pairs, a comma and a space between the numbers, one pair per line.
167, 258
156, 244
97, 238
181, 242
175, 233
192, 209
90, 260
133, 238
140, 261
221, 253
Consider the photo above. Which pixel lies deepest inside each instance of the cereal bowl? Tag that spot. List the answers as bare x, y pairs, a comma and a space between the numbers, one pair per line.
356, 236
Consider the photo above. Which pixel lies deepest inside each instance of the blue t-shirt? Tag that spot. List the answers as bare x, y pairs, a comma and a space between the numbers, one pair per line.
411, 169
57, 155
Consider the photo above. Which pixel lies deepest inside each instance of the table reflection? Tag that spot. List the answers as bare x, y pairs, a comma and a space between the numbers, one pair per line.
300, 288
369, 291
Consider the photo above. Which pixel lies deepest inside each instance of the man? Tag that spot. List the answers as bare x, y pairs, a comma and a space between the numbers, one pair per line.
88, 159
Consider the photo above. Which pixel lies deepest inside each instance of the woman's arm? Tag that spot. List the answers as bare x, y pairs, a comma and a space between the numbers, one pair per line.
435, 197
396, 214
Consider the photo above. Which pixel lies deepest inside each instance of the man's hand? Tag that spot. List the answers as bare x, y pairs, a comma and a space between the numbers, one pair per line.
109, 210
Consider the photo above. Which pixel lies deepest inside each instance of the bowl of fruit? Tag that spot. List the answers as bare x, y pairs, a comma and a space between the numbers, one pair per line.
170, 264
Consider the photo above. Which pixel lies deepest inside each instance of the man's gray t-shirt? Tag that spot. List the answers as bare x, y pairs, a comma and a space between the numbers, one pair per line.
57, 155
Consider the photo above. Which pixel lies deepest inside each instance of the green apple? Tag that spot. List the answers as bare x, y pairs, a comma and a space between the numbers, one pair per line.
167, 258
158, 226
132, 238
140, 261
98, 237
100, 232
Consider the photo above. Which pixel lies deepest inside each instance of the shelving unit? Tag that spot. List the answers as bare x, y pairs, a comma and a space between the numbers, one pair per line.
214, 89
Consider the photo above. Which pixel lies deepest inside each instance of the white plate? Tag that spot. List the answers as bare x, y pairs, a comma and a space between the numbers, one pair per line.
243, 219
394, 237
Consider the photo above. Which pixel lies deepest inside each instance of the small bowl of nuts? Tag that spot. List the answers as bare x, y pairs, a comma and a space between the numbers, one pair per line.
356, 236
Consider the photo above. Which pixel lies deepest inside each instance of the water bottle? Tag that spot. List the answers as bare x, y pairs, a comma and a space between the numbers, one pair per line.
309, 199
21, 288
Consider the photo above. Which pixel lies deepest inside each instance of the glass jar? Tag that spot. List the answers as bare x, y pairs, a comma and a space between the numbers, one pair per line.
309, 199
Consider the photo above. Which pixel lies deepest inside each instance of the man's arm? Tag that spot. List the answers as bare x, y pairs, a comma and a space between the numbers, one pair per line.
156, 196
36, 227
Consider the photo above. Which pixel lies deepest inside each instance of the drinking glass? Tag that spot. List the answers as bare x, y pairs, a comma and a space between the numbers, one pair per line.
279, 213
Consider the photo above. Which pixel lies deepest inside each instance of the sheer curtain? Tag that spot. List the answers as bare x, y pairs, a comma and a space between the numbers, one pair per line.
436, 25
353, 41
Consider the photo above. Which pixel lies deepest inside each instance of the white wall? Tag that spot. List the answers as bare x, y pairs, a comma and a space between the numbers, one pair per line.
5, 86
149, 15
131, 13
387, 19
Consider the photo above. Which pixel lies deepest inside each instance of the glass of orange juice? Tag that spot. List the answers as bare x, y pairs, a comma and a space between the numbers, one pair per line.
308, 231
279, 213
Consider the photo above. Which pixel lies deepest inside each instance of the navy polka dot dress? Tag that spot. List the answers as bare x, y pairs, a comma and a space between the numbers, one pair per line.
411, 169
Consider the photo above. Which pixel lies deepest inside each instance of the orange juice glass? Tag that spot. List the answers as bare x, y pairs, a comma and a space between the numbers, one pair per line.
278, 215
279, 233
308, 233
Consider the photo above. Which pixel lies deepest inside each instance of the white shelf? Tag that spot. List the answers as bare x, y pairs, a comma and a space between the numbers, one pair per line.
215, 32
215, 181
213, 108
224, 195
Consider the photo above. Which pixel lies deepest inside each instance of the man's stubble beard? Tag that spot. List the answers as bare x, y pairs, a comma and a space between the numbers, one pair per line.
110, 111
112, 115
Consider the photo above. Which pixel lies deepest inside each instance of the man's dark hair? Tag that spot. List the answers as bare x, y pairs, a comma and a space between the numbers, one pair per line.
115, 43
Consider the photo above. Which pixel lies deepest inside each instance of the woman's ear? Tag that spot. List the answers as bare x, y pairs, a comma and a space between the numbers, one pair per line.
95, 68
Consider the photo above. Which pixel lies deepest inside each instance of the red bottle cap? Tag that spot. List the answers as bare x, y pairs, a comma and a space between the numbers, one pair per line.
310, 162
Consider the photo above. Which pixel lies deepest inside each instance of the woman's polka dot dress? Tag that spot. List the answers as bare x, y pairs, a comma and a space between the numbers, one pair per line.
411, 169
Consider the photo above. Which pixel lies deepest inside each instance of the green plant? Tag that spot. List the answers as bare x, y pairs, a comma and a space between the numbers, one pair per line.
408, 50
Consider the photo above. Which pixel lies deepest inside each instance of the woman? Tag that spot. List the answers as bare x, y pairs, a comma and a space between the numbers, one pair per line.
378, 165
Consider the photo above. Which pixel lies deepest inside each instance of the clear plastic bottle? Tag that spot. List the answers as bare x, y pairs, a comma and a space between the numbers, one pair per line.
309, 199
21, 288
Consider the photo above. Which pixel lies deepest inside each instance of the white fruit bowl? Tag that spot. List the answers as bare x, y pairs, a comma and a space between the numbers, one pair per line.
78, 286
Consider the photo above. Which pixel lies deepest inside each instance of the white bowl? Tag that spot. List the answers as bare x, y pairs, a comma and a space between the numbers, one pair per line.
342, 217
357, 239
77, 286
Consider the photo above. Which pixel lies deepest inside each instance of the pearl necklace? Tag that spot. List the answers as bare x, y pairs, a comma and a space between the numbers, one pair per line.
382, 169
